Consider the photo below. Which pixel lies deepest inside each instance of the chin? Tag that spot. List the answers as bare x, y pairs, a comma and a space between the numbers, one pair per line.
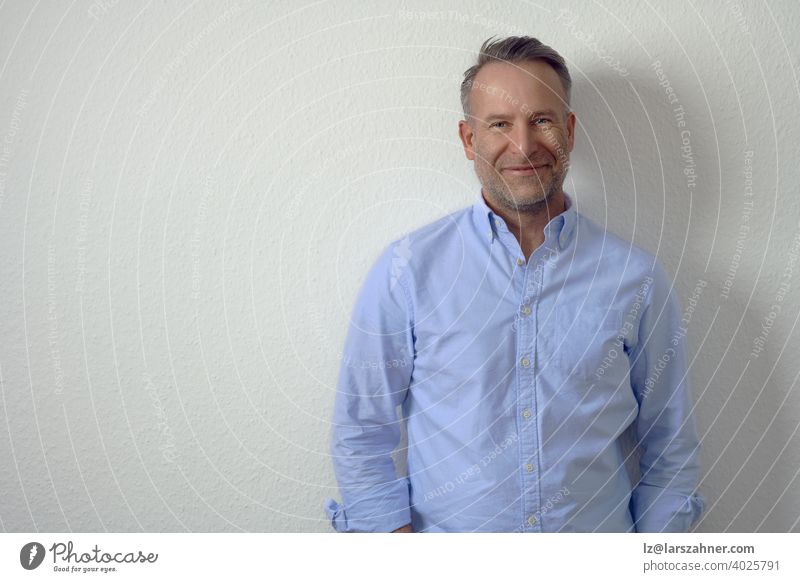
534, 201
531, 198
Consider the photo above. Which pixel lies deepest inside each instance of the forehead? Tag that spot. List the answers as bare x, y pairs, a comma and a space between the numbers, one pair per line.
530, 83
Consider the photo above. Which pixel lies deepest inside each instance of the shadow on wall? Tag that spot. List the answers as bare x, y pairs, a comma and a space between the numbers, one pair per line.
640, 137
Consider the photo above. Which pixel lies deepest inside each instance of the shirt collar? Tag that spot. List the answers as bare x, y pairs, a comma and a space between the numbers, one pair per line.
560, 227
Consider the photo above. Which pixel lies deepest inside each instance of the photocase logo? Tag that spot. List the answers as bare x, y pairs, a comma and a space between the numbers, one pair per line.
31, 555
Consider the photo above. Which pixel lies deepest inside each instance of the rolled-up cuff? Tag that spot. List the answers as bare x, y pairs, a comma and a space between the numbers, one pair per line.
374, 522
657, 510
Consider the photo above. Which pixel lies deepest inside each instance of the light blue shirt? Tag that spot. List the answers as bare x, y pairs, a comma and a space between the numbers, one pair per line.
516, 380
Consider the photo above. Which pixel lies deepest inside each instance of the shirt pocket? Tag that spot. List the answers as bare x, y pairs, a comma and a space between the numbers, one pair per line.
592, 372
589, 345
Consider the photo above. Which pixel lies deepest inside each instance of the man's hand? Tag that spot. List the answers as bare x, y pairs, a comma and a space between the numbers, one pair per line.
405, 529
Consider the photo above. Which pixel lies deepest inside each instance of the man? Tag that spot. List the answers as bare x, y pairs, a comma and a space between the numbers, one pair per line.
520, 341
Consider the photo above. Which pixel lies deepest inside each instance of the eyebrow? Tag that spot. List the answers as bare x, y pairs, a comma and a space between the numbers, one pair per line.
531, 114
544, 112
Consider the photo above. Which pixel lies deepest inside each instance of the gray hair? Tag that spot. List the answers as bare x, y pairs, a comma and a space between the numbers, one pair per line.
515, 49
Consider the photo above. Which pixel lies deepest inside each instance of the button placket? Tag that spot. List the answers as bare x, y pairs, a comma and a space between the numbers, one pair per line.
536, 266
526, 389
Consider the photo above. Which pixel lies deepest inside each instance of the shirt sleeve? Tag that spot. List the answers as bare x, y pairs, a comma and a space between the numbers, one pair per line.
665, 499
373, 380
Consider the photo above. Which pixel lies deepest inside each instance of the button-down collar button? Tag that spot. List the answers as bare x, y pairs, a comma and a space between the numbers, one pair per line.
520, 261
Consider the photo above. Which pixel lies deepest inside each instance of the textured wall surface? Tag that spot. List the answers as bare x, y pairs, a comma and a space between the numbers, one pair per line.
191, 194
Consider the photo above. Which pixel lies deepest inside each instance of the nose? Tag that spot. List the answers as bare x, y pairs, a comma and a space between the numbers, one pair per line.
524, 142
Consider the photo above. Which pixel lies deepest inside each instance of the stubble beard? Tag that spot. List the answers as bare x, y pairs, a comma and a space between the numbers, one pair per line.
500, 190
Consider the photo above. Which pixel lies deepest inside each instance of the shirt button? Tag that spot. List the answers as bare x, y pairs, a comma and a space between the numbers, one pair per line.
520, 262
526, 310
529, 468
526, 413
531, 520
525, 362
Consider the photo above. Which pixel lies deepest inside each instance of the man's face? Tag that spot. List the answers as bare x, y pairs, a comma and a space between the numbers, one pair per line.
519, 135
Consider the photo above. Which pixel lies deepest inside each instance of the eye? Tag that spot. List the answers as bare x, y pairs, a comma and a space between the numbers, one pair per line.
541, 121
499, 124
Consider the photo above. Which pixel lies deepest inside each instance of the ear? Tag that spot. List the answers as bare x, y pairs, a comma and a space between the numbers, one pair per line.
467, 135
571, 130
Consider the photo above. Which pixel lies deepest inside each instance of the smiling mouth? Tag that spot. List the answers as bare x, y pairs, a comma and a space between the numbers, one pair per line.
524, 170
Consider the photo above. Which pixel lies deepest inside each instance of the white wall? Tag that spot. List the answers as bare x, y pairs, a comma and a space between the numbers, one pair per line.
191, 193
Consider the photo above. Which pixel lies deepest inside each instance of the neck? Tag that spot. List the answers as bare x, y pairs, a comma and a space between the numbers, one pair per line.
528, 226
